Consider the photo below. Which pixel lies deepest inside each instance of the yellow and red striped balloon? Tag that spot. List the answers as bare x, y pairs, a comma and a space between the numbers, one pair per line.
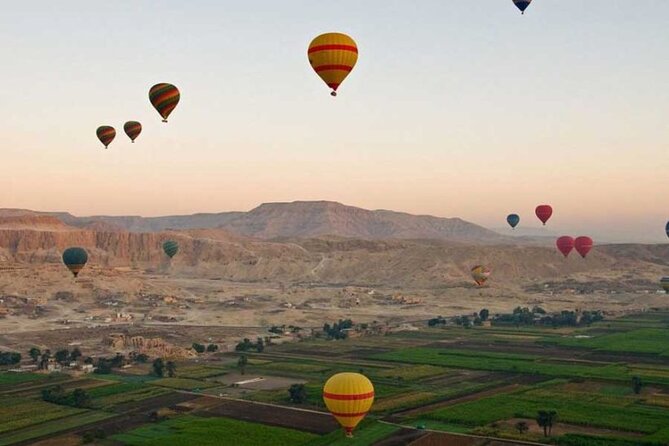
132, 129
348, 396
333, 56
164, 98
106, 134
480, 274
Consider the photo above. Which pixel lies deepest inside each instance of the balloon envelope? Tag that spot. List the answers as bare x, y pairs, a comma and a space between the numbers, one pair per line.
132, 129
666, 228
513, 220
664, 282
171, 248
565, 244
480, 274
522, 4
106, 134
348, 396
164, 98
333, 56
75, 259
543, 212
583, 245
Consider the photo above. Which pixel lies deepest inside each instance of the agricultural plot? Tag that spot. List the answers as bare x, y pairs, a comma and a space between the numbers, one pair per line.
295, 367
367, 434
417, 398
640, 341
109, 396
182, 383
614, 413
191, 430
9, 379
17, 413
199, 371
54, 426
412, 373
496, 362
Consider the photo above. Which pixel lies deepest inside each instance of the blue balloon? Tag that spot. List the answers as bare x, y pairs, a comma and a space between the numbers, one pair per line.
514, 219
667, 229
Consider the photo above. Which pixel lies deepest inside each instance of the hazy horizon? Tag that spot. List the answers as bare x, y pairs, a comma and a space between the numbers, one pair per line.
465, 110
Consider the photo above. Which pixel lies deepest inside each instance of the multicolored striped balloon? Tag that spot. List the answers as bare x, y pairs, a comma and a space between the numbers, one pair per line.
522, 5
164, 98
348, 396
106, 134
132, 129
333, 56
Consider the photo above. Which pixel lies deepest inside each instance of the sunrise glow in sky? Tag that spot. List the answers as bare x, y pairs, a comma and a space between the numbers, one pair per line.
455, 109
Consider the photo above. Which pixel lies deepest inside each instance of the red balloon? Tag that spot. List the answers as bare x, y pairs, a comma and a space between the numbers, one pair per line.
565, 244
583, 245
544, 212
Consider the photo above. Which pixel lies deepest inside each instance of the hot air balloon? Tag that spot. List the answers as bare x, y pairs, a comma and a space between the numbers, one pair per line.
164, 98
565, 244
171, 248
333, 56
513, 220
132, 129
664, 282
522, 5
666, 228
348, 396
583, 245
543, 212
75, 259
106, 134
480, 274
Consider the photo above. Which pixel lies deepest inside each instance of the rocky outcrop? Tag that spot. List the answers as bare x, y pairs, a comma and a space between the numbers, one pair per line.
300, 219
215, 253
153, 347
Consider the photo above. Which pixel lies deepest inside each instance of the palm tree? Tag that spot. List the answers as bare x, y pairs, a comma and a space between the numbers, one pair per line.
241, 363
35, 353
545, 419
171, 369
522, 427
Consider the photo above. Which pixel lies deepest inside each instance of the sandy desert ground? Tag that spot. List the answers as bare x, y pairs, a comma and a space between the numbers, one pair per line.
42, 305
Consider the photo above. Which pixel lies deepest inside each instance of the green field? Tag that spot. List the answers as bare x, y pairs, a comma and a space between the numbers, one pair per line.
644, 340
189, 430
199, 371
533, 365
11, 378
182, 383
51, 427
17, 413
451, 379
366, 434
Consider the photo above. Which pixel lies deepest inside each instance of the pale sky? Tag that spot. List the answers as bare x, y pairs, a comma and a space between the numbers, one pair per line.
456, 109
